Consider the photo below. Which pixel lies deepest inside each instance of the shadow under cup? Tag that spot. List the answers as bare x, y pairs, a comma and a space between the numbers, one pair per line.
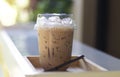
55, 36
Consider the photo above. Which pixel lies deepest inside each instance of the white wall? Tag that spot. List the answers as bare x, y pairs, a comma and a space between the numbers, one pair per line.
78, 16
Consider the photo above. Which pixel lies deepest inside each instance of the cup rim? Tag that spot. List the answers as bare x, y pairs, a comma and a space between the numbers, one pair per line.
54, 14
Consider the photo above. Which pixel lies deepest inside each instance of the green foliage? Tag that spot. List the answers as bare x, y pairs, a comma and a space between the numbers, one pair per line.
52, 6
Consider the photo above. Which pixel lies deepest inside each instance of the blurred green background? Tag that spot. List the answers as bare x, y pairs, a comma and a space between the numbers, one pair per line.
51, 6
22, 11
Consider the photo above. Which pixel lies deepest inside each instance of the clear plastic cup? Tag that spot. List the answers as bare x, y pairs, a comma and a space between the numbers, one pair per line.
55, 37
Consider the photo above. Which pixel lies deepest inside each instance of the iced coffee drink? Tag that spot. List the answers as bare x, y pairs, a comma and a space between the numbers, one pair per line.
55, 37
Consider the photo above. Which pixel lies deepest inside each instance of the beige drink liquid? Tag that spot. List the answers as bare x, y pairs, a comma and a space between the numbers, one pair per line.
55, 37
55, 46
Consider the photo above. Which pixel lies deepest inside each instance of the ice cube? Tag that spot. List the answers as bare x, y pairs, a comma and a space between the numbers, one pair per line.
54, 19
40, 22
41, 19
67, 21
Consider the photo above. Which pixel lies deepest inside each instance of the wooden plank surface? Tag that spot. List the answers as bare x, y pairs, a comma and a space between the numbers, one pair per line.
83, 74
